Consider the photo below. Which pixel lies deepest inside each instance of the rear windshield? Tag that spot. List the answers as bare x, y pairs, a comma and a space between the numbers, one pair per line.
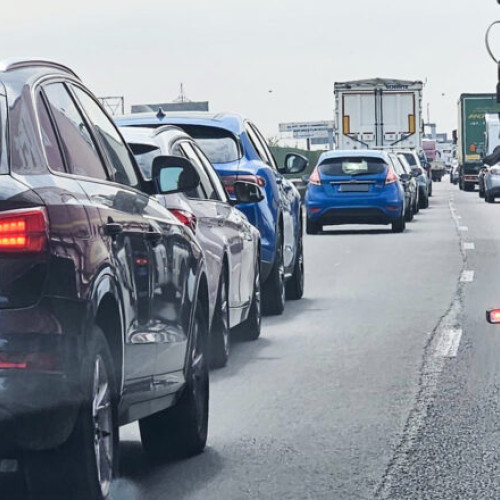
352, 166
410, 159
219, 145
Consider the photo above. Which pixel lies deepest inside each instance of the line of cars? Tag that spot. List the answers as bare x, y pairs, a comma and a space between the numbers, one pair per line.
123, 269
367, 187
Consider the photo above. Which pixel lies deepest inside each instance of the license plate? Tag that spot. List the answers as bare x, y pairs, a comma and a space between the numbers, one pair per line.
354, 188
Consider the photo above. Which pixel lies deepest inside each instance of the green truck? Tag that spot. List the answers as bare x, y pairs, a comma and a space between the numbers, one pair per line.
471, 141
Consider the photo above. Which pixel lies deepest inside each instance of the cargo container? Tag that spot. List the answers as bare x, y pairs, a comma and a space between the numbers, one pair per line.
471, 135
378, 114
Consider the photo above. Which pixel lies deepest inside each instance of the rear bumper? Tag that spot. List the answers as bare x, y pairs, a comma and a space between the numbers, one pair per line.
470, 178
336, 216
39, 405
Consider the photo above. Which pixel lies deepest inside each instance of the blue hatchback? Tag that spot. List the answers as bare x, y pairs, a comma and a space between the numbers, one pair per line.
239, 152
354, 187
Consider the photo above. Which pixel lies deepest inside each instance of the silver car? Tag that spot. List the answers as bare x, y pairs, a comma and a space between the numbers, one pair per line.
230, 243
492, 183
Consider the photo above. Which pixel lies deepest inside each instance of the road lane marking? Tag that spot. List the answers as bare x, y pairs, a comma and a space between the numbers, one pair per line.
467, 276
463, 228
468, 245
449, 342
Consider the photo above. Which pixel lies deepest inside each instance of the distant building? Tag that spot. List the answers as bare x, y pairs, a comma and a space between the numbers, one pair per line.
171, 106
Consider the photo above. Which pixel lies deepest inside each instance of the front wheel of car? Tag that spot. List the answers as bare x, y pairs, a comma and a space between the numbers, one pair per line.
481, 193
181, 431
220, 340
295, 285
274, 287
250, 328
399, 225
84, 467
488, 198
468, 186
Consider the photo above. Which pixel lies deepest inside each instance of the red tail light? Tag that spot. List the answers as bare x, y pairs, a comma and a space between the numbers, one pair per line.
23, 231
493, 316
229, 181
314, 178
36, 361
185, 217
391, 176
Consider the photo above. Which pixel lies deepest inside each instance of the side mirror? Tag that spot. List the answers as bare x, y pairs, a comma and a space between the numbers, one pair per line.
294, 164
247, 192
174, 174
405, 177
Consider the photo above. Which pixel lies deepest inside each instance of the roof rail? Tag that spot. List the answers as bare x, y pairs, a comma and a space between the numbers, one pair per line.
26, 62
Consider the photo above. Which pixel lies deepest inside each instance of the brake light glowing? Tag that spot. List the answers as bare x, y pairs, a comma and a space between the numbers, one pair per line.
229, 181
493, 316
314, 178
391, 176
23, 231
185, 217
36, 361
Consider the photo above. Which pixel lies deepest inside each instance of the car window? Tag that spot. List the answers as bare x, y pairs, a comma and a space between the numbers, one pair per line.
49, 138
410, 159
114, 146
79, 148
270, 157
254, 139
348, 166
398, 167
212, 174
210, 193
404, 164
144, 155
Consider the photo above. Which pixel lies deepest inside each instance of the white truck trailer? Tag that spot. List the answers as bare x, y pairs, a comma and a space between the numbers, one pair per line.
378, 114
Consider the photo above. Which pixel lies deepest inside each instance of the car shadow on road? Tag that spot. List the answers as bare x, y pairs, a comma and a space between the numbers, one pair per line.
166, 480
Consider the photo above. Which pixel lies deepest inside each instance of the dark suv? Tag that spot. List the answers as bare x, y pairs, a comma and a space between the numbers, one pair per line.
103, 294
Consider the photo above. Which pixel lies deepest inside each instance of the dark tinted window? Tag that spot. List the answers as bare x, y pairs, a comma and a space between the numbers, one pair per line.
116, 150
210, 170
79, 148
254, 139
348, 166
144, 156
49, 138
410, 159
207, 186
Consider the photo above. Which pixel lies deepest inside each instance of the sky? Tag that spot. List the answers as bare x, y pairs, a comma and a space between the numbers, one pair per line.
272, 60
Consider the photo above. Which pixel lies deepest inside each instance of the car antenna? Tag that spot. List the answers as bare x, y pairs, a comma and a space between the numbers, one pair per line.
160, 113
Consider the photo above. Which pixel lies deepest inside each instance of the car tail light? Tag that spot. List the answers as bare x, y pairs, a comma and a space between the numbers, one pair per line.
314, 178
187, 218
23, 231
493, 316
35, 361
229, 181
391, 176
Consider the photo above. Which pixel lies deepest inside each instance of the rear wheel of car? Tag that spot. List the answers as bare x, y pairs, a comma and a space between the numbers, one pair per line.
250, 328
220, 340
84, 467
399, 225
274, 287
313, 227
424, 201
181, 431
416, 206
481, 193
468, 186
409, 213
488, 198
295, 285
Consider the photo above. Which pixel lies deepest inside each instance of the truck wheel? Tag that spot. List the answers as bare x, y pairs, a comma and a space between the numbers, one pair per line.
399, 225
181, 431
274, 287
295, 285
84, 467
313, 227
250, 329
220, 340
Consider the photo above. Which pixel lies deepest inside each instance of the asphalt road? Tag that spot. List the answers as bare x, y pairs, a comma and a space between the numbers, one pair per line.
382, 382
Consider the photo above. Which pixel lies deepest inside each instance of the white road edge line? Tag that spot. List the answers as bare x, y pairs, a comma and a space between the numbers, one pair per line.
467, 276
449, 343
463, 228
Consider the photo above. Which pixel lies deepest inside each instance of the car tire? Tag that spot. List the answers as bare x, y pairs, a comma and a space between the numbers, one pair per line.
250, 328
416, 206
71, 470
468, 186
220, 339
488, 198
409, 213
481, 193
424, 201
273, 290
313, 227
399, 225
295, 285
430, 190
181, 431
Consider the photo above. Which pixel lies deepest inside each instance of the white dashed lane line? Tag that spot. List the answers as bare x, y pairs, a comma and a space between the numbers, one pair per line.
463, 228
467, 277
447, 346
468, 245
